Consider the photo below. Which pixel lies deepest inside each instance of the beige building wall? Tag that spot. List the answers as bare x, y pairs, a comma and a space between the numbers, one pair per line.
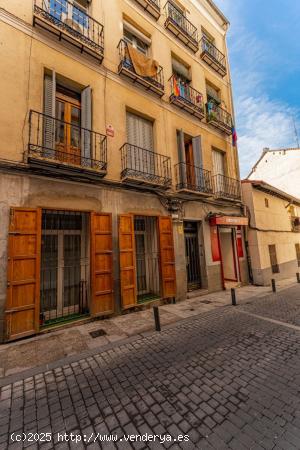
270, 226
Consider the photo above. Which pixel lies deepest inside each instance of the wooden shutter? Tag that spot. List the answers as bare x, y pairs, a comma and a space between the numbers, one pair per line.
127, 261
167, 257
102, 301
49, 110
23, 280
181, 157
86, 123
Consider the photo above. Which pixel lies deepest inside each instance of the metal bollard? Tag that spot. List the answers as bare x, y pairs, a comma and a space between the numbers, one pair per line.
273, 285
298, 277
174, 299
233, 297
156, 318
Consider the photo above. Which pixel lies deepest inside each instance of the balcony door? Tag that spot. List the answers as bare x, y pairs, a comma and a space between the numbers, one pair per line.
141, 148
68, 139
218, 158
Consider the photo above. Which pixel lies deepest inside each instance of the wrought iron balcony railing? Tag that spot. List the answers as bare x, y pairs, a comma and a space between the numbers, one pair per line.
145, 167
54, 143
151, 6
68, 21
186, 97
179, 25
154, 84
193, 178
218, 117
226, 187
212, 56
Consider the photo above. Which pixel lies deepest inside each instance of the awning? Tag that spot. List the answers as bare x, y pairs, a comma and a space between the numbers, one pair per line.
229, 220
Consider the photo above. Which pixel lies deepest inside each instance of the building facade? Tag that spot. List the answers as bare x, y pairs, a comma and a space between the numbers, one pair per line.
119, 183
280, 168
273, 235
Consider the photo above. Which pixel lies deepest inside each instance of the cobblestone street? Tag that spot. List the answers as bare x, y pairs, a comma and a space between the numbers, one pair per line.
222, 380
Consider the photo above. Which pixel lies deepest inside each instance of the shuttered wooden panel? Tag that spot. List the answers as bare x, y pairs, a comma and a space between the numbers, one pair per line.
102, 300
167, 257
23, 280
297, 247
127, 261
139, 131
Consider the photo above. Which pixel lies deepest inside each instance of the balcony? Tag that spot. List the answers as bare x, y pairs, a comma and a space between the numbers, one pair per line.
227, 188
193, 179
144, 167
181, 27
153, 84
69, 22
186, 98
213, 57
61, 148
218, 117
151, 6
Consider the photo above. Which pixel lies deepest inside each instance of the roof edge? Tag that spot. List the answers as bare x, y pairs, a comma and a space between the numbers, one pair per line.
268, 187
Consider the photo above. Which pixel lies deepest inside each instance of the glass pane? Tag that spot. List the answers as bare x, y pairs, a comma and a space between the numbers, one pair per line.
57, 8
141, 263
60, 126
75, 130
79, 16
49, 265
72, 271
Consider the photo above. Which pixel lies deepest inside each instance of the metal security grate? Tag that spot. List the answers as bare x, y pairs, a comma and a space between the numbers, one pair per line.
65, 266
147, 258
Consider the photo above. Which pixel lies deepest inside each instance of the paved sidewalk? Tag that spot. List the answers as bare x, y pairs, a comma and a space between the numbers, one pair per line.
47, 348
223, 379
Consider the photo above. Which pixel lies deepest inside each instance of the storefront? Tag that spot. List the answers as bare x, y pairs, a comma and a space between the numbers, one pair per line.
227, 246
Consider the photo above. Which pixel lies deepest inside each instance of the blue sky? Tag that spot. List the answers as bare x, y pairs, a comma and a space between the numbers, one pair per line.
264, 51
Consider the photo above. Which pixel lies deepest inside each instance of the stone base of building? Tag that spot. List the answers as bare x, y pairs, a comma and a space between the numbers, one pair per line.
76, 203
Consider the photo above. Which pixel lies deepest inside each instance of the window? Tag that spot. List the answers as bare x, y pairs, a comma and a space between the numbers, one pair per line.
73, 12
218, 158
139, 131
207, 36
136, 39
266, 202
297, 247
213, 94
273, 259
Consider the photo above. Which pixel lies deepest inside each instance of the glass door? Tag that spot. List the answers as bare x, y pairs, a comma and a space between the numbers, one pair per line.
68, 131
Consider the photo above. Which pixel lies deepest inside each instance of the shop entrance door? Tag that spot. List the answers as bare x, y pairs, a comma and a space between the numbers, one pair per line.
229, 254
192, 255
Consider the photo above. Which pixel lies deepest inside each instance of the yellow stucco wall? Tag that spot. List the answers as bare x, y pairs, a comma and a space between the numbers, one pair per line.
26, 53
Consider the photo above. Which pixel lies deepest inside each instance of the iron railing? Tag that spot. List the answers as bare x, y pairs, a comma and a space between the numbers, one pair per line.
227, 187
183, 95
125, 63
175, 16
211, 50
151, 6
72, 20
145, 165
219, 117
64, 142
193, 178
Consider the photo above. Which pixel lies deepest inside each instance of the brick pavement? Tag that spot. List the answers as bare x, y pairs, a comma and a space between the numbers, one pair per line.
225, 379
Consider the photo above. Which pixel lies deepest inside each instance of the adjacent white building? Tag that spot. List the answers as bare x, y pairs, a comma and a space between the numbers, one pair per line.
279, 168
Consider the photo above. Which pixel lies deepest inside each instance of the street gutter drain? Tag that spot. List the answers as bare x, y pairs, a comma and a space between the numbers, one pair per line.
98, 333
